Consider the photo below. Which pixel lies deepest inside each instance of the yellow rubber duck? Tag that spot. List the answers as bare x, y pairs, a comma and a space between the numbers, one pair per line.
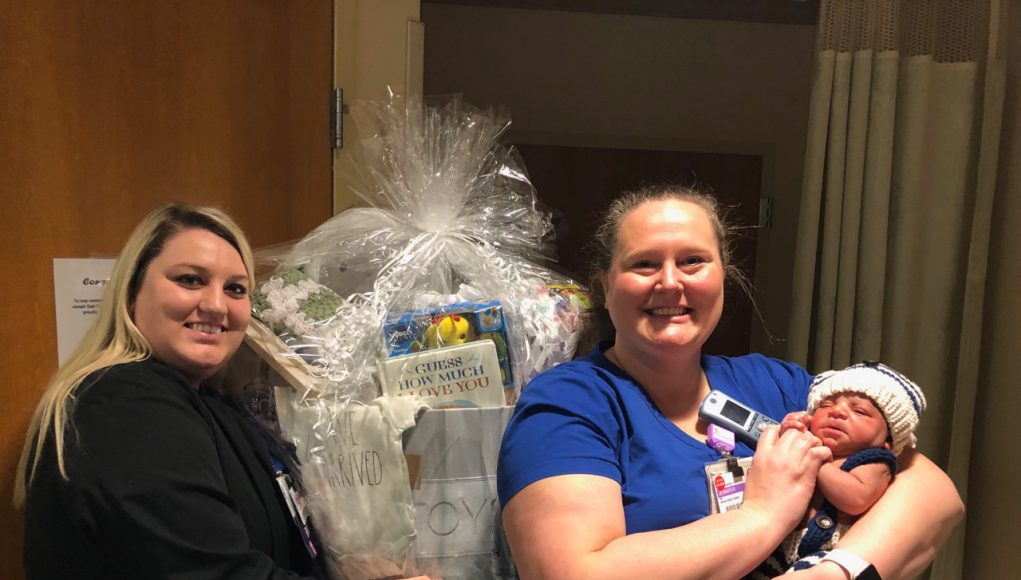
447, 331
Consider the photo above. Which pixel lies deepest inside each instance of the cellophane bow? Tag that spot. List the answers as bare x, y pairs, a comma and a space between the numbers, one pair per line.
451, 217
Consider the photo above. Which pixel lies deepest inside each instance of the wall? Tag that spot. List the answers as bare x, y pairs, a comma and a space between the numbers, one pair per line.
641, 82
111, 107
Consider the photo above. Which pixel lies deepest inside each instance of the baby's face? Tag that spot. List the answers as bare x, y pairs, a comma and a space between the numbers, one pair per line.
848, 423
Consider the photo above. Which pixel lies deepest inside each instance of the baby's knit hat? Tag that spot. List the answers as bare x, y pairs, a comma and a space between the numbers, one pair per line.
899, 399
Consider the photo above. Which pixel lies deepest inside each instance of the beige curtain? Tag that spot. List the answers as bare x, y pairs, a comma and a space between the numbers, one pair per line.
905, 145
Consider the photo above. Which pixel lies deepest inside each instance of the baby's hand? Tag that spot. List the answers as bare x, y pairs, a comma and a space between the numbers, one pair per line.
798, 420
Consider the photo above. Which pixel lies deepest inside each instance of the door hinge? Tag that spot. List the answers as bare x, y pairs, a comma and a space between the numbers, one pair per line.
337, 118
765, 212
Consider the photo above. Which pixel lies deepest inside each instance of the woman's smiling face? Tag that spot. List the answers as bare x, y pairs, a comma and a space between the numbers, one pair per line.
664, 288
193, 304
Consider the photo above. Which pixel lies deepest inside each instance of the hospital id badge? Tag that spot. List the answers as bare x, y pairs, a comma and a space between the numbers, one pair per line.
295, 505
725, 480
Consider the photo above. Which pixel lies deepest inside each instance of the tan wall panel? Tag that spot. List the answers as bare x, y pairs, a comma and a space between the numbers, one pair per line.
607, 80
111, 108
379, 47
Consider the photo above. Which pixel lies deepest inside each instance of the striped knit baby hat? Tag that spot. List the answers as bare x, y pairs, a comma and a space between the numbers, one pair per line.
900, 400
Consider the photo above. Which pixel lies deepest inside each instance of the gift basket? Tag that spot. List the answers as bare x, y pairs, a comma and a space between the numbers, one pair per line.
434, 305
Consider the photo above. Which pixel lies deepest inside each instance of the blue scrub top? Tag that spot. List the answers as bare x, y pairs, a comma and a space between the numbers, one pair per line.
588, 416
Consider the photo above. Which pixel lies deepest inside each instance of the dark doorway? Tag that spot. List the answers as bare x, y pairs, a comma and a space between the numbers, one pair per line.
578, 183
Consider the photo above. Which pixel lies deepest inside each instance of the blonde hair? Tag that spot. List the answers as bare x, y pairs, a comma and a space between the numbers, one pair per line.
113, 338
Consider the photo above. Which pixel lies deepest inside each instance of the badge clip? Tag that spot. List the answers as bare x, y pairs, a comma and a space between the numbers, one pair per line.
725, 477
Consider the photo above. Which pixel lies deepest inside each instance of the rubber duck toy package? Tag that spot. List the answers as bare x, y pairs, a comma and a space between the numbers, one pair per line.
406, 329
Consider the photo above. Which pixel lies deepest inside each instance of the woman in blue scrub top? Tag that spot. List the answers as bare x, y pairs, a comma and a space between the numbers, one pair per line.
601, 469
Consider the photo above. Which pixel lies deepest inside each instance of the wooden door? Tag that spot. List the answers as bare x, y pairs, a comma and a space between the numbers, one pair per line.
578, 183
380, 46
111, 107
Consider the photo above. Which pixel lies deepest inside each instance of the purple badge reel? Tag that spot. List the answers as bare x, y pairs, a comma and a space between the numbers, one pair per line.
725, 477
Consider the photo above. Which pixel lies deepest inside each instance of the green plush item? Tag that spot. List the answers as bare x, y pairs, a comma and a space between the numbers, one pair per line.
292, 303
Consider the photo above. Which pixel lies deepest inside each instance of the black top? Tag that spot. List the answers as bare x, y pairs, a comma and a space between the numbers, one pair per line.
164, 482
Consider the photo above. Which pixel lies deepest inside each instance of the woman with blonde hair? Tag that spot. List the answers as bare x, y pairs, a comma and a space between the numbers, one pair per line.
133, 467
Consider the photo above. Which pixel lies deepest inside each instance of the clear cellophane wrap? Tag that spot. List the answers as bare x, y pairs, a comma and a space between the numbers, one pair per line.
451, 220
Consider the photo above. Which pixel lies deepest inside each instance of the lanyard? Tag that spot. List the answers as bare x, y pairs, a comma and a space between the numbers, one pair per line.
295, 504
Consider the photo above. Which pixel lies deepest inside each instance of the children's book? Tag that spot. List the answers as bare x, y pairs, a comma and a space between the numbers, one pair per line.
418, 331
464, 375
